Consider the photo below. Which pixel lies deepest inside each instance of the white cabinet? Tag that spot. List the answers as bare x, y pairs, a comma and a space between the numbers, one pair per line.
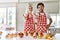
3, 1
35, 0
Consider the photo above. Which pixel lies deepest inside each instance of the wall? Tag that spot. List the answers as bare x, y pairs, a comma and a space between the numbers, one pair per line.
21, 9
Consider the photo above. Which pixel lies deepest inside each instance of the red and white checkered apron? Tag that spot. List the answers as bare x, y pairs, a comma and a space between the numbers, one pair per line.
29, 23
41, 23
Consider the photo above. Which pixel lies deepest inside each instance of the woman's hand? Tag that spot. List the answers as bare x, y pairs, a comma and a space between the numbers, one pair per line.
24, 16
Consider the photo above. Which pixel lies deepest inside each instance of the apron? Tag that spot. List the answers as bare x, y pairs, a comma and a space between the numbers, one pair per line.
41, 23
29, 23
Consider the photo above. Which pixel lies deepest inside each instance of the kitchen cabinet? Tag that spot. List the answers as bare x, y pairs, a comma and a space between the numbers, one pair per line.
35, 0
6, 1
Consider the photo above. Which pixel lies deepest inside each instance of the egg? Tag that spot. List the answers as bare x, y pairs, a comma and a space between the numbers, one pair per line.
0, 33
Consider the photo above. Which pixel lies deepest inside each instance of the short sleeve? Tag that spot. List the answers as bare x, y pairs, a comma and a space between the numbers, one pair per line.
36, 13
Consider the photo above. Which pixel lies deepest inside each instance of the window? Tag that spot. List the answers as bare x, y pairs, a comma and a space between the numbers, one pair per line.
7, 17
58, 21
53, 20
11, 16
2, 15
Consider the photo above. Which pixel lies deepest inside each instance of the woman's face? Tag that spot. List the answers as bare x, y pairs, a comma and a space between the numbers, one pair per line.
30, 8
40, 8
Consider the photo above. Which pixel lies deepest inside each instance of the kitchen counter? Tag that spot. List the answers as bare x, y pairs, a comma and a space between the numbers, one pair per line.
57, 37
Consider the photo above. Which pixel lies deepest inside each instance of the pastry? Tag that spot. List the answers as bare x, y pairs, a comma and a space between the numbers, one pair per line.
8, 36
31, 33
0, 33
34, 36
26, 34
41, 35
21, 34
14, 35
50, 38
48, 35
11, 35
45, 36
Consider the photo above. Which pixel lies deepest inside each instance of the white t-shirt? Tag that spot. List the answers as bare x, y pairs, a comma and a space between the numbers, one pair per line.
47, 15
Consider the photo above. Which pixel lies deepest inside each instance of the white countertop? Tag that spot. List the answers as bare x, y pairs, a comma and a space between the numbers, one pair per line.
57, 37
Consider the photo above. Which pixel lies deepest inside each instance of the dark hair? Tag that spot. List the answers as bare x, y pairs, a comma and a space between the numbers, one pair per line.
40, 4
